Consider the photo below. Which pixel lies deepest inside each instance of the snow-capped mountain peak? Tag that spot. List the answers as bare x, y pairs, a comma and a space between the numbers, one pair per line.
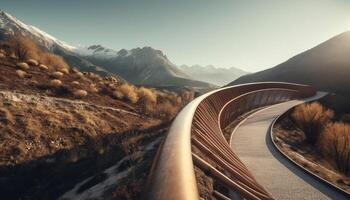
100, 52
11, 25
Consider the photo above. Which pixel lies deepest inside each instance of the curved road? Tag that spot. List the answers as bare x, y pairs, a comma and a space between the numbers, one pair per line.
252, 143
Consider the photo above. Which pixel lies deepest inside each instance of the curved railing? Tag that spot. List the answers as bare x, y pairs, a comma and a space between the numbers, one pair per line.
195, 138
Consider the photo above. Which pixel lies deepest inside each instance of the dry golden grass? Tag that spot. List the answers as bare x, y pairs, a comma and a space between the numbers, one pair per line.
311, 119
25, 49
129, 92
22, 48
167, 110
80, 93
54, 61
23, 65
21, 74
55, 83
118, 94
335, 144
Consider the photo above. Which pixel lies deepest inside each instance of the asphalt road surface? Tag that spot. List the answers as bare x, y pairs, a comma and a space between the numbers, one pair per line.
251, 141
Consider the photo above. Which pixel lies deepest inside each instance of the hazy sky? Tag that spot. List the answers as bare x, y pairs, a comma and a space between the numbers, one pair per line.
249, 34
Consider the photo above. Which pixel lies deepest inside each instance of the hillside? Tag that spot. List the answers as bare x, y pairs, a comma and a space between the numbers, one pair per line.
213, 75
326, 66
142, 66
79, 129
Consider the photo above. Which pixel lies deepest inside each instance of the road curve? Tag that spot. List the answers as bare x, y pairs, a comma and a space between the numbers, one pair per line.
252, 143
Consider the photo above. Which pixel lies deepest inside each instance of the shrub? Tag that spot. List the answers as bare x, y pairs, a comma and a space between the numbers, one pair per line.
21, 74
93, 88
23, 48
311, 119
147, 99
55, 61
80, 75
187, 96
63, 70
335, 143
79, 93
75, 83
32, 62
118, 94
57, 74
23, 65
129, 92
55, 83
166, 110
43, 67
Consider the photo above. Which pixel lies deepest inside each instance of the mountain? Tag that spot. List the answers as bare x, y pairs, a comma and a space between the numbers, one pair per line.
211, 74
326, 66
142, 66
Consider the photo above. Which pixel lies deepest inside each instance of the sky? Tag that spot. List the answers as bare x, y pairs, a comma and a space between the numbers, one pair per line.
249, 34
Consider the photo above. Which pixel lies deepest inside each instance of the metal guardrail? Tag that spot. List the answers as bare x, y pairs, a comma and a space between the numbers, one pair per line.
199, 126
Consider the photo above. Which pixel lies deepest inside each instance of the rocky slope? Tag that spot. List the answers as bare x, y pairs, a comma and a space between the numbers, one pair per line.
57, 141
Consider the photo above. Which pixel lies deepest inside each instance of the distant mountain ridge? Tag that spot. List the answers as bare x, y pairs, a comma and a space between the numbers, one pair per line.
143, 66
326, 66
211, 74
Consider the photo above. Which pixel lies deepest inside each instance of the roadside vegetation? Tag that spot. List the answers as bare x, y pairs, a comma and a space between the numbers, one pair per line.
317, 136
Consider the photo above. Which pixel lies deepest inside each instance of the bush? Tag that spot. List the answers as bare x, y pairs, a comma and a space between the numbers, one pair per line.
55, 61
55, 83
148, 99
167, 110
335, 143
117, 94
63, 70
75, 83
57, 74
80, 93
93, 88
32, 62
43, 67
23, 65
128, 92
311, 119
21, 74
79, 75
23, 48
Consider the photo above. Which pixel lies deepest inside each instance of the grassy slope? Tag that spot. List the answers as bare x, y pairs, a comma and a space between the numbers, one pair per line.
50, 141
